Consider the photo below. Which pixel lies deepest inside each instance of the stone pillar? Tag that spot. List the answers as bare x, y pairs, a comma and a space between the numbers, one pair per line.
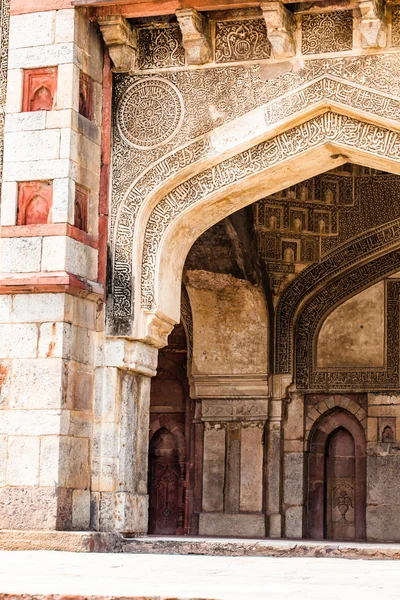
232, 490
49, 291
294, 467
274, 463
121, 436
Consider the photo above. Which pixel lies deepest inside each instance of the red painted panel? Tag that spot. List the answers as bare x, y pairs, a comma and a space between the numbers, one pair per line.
34, 202
40, 86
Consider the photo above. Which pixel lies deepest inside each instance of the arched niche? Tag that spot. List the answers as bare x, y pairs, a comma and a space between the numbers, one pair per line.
336, 487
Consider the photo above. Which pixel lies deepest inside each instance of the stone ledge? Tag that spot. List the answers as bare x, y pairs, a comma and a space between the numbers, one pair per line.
265, 548
69, 541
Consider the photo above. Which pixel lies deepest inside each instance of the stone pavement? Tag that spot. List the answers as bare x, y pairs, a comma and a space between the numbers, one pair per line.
219, 578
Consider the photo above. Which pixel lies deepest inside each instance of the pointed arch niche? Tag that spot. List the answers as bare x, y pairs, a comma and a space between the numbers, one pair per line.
336, 491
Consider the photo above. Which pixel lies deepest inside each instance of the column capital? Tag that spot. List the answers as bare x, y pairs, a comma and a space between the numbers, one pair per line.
131, 355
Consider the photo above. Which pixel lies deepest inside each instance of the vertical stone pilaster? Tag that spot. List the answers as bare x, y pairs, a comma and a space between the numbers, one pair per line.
49, 331
120, 450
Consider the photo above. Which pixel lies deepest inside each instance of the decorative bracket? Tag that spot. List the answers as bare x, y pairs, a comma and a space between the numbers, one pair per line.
373, 24
280, 27
121, 40
195, 36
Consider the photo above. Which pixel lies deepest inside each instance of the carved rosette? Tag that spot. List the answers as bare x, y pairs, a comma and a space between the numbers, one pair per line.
150, 113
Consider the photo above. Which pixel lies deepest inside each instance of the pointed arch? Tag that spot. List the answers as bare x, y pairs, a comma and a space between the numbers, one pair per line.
303, 133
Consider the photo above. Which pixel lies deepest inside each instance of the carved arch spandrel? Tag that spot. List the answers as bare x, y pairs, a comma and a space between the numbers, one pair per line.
165, 422
172, 192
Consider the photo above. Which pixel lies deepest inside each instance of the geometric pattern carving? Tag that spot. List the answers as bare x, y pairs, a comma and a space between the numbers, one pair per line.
310, 378
395, 26
329, 126
4, 37
150, 113
327, 32
160, 47
347, 255
241, 40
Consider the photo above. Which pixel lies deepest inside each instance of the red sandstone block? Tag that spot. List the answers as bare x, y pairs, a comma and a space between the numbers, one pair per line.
40, 86
85, 96
34, 202
81, 207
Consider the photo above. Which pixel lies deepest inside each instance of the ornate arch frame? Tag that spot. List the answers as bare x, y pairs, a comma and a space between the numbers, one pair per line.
317, 126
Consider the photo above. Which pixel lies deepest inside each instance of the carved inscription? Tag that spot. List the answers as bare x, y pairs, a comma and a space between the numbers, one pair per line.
241, 40
160, 47
327, 32
204, 88
330, 126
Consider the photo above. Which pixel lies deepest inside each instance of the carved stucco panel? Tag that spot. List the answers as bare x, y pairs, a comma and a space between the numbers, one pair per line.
328, 127
379, 72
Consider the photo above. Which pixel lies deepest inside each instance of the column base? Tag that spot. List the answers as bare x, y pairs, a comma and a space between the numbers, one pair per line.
67, 541
123, 512
232, 525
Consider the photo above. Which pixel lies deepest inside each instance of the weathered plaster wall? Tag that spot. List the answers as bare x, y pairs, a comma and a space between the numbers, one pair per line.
353, 335
230, 325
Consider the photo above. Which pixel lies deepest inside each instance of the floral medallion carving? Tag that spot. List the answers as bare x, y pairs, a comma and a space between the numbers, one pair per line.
150, 113
161, 47
241, 40
327, 32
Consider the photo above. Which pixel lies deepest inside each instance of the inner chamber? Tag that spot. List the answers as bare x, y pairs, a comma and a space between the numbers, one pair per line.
273, 296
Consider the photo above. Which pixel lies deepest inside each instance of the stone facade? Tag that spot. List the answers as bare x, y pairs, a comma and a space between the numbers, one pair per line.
200, 269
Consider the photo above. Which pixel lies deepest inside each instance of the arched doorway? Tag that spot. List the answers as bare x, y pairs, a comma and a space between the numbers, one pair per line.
166, 510
169, 440
336, 495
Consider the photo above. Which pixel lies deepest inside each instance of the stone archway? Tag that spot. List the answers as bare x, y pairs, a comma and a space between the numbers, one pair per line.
179, 217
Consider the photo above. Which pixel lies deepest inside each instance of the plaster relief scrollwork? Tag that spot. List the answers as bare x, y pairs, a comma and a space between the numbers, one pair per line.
160, 47
137, 173
328, 127
327, 32
150, 113
396, 26
241, 40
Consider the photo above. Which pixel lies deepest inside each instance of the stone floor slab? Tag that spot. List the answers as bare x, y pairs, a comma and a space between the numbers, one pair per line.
181, 577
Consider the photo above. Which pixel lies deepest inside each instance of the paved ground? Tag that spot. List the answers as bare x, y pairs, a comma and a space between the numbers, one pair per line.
221, 578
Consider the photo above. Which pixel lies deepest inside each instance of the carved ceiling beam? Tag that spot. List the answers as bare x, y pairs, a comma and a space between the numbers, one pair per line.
121, 40
372, 24
195, 36
280, 27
